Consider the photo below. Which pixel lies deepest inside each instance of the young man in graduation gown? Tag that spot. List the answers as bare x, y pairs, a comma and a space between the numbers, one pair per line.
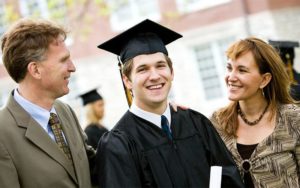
151, 145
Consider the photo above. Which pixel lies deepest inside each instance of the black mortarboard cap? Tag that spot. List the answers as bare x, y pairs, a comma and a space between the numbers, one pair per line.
146, 37
286, 49
90, 96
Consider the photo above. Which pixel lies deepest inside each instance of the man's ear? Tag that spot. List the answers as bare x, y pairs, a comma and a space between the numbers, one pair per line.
267, 77
33, 70
127, 82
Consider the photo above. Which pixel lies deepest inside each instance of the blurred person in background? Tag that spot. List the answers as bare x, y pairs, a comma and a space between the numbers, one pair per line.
41, 142
94, 104
261, 124
286, 51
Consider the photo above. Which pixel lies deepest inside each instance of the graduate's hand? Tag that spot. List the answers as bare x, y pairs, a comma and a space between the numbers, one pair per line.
175, 106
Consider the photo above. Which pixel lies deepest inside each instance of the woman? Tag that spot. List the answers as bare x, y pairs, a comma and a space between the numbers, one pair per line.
261, 125
94, 113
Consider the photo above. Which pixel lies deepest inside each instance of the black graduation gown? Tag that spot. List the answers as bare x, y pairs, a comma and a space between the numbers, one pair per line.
94, 133
137, 153
295, 88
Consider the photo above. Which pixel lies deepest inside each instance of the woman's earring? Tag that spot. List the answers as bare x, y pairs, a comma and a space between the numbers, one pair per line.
262, 91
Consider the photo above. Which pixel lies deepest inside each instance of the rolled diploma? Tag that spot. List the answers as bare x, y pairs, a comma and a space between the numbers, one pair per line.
215, 177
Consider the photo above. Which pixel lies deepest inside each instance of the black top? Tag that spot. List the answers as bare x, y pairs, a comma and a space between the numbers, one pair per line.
137, 153
94, 133
295, 92
246, 152
295, 88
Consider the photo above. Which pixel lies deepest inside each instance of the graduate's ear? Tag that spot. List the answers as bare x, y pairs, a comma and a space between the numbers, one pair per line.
127, 82
33, 70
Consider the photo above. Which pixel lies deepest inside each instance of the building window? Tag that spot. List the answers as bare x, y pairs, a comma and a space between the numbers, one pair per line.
223, 45
186, 6
50, 9
125, 13
211, 65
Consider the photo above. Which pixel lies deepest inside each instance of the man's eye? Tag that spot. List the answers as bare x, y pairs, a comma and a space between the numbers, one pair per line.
162, 65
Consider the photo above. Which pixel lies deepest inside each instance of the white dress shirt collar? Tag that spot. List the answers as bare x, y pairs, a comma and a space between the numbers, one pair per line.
153, 118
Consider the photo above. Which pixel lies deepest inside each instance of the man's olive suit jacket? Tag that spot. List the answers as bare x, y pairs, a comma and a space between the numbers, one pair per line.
29, 158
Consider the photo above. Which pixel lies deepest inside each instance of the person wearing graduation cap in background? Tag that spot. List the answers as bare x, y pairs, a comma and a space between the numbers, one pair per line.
152, 145
287, 54
94, 104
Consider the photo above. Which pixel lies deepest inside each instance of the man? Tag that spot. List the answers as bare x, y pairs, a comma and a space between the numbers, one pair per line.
36, 151
286, 51
151, 145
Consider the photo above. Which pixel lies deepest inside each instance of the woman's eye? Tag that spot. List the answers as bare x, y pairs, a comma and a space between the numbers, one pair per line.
228, 68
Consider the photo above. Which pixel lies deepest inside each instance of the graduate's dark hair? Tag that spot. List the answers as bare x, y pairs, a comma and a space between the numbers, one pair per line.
276, 91
127, 67
28, 41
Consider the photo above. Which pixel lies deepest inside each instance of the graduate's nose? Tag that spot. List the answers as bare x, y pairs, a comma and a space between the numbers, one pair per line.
154, 74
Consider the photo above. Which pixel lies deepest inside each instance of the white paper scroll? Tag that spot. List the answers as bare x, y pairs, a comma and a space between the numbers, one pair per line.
215, 177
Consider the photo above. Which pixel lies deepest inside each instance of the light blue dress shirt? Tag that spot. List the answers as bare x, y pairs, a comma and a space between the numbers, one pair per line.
38, 113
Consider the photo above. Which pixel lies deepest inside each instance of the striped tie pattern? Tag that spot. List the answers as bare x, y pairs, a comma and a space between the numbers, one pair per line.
58, 135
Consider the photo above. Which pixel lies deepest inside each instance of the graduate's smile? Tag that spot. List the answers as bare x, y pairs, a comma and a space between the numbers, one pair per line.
155, 87
156, 90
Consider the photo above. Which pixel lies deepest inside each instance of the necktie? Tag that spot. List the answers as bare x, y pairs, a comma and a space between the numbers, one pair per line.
165, 126
58, 135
